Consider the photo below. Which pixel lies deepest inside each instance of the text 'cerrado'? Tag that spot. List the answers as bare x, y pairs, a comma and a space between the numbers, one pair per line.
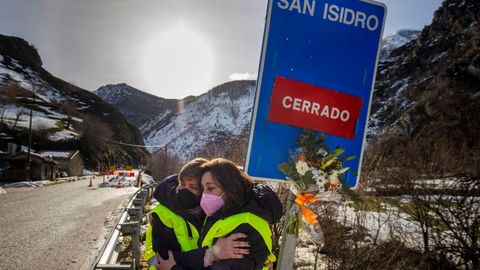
307, 106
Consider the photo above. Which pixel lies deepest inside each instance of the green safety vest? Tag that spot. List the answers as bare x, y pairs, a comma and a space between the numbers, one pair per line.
225, 226
179, 226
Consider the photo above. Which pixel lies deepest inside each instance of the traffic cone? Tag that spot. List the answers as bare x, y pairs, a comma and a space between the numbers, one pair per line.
90, 184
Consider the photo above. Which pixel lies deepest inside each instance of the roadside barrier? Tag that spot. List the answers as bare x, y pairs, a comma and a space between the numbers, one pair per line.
128, 224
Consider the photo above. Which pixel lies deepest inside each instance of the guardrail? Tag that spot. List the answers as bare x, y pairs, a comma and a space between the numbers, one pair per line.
128, 224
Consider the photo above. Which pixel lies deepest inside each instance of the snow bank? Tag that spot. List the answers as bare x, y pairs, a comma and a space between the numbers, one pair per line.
32, 184
118, 182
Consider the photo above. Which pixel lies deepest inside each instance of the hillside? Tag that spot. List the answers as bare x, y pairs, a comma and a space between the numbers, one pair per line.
63, 114
427, 94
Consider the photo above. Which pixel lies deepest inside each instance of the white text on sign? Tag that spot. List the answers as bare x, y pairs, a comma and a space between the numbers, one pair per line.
333, 13
304, 105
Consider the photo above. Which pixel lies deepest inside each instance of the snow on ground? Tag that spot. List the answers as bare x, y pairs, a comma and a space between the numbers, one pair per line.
439, 56
63, 135
25, 78
19, 117
87, 172
39, 119
380, 225
30, 184
121, 179
52, 113
55, 154
7, 73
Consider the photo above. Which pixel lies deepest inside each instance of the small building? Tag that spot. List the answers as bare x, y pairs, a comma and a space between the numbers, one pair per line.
69, 162
16, 170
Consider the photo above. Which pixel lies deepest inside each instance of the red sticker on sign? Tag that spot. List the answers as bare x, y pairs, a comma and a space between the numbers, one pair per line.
307, 106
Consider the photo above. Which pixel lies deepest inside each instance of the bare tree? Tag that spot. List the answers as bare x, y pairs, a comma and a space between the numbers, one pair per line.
163, 164
440, 177
233, 148
458, 221
95, 138
69, 107
18, 115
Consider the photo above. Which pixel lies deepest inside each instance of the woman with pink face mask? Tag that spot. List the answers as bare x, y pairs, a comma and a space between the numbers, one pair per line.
233, 204
177, 220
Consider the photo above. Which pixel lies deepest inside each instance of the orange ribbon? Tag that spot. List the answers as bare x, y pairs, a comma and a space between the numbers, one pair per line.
308, 214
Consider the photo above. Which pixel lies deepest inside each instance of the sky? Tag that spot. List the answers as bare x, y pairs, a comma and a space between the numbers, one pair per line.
169, 48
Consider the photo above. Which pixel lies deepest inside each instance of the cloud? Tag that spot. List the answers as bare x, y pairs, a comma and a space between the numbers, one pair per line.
242, 76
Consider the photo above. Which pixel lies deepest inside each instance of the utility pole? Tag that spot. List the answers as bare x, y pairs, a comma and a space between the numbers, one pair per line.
29, 156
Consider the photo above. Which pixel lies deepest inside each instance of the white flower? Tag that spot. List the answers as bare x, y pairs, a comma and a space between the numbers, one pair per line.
322, 152
333, 178
320, 178
302, 167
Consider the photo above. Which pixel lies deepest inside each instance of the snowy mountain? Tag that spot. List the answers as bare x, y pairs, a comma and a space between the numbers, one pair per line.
61, 112
185, 126
221, 113
127, 99
396, 40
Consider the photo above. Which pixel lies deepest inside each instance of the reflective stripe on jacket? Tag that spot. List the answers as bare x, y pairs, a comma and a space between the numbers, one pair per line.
186, 234
225, 226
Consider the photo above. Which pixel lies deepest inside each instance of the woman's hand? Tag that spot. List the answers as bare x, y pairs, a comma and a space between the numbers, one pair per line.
166, 264
230, 247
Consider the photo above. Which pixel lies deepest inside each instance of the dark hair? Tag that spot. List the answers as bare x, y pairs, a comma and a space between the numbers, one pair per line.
192, 169
238, 187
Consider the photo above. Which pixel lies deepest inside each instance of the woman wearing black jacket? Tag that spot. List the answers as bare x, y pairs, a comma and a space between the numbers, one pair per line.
181, 195
233, 204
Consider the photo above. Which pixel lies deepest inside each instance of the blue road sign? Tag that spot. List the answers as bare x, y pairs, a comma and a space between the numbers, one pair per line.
318, 62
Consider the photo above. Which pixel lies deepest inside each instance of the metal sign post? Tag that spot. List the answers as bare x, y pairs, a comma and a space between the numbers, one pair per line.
317, 71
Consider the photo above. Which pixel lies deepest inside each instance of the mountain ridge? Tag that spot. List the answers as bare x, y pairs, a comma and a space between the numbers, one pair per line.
59, 108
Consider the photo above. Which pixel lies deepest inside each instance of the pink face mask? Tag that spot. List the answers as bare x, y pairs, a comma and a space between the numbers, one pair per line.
211, 203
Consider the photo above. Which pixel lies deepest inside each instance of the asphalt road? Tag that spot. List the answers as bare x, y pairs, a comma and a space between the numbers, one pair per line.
57, 227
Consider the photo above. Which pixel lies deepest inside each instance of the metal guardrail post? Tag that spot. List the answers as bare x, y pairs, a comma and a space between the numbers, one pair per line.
135, 213
133, 229
140, 202
128, 228
115, 266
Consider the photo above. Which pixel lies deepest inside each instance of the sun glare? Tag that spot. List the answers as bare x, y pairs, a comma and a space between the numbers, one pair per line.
178, 63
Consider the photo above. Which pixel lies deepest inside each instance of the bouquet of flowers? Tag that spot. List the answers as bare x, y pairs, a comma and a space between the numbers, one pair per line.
316, 173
